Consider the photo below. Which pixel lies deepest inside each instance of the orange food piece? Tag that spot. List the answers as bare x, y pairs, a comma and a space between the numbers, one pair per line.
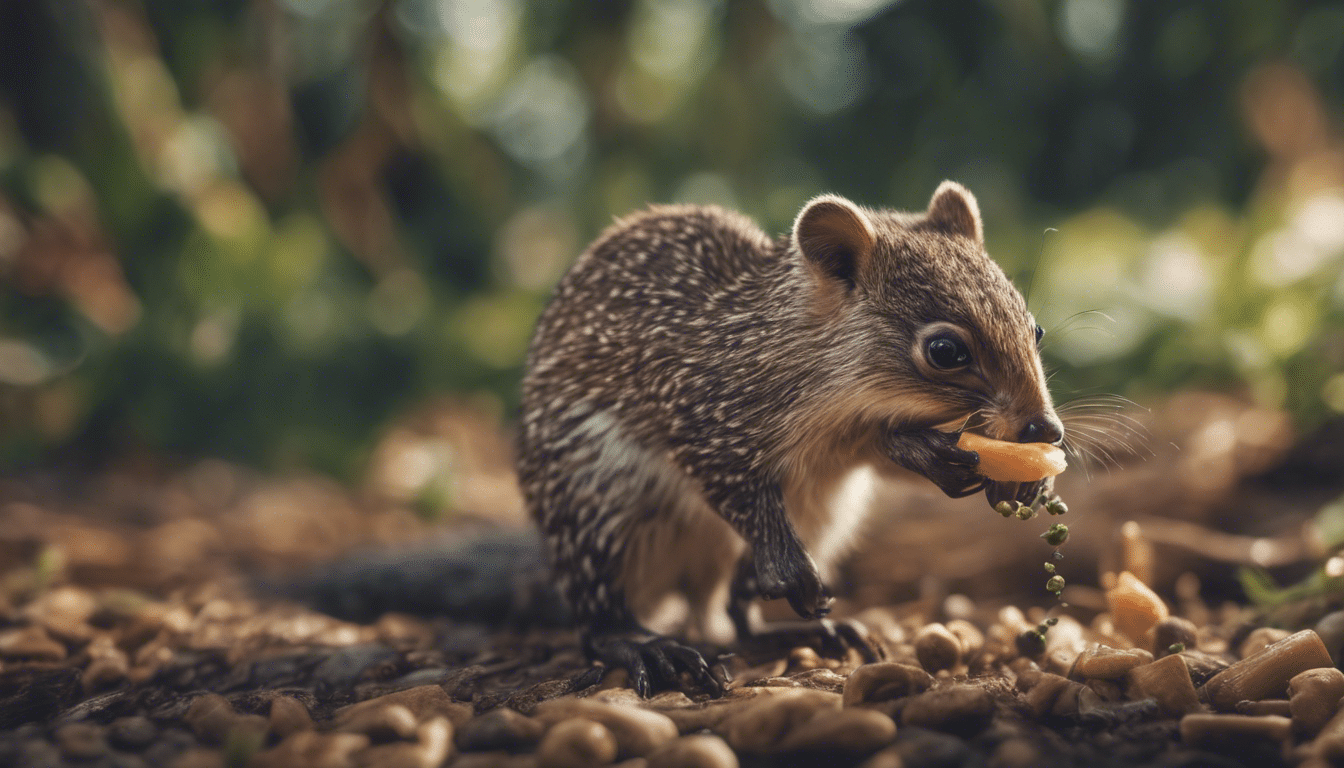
1014, 462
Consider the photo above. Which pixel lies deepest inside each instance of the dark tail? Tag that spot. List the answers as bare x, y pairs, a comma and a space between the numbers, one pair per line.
498, 578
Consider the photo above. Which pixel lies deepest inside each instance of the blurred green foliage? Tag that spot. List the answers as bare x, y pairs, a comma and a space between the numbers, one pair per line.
262, 228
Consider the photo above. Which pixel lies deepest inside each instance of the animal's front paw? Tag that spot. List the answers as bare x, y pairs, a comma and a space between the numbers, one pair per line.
935, 455
793, 577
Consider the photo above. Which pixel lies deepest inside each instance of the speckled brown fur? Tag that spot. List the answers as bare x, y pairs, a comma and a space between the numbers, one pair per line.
696, 391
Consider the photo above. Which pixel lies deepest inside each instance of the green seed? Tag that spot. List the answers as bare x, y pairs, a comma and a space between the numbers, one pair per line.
1176, 647
1055, 584
1056, 507
1031, 644
1056, 535
1052, 621
1049, 567
1024, 512
1004, 508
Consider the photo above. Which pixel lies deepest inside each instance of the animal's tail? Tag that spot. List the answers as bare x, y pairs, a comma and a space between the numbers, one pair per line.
497, 577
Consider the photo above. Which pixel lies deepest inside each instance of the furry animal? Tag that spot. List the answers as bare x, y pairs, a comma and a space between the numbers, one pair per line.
697, 395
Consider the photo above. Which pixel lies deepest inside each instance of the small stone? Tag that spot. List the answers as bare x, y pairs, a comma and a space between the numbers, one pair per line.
495, 760
1259, 639
289, 716
854, 730
1108, 663
962, 709
937, 648
1016, 753
434, 741
1267, 673
1314, 697
132, 733
698, 751
576, 743
32, 643
637, 731
890, 757
884, 680
1166, 680
81, 741
1331, 630
424, 702
970, 637
760, 727
804, 658
1135, 607
385, 723
1174, 630
499, 729
1280, 707
1045, 693
1201, 730
214, 720
105, 671
312, 749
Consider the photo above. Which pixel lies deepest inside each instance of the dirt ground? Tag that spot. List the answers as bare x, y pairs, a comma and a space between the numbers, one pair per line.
140, 623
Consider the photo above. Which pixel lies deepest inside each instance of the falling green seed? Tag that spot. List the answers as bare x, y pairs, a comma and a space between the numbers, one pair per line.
1025, 513
1049, 567
1004, 508
1056, 507
1176, 647
1056, 535
1052, 621
1055, 584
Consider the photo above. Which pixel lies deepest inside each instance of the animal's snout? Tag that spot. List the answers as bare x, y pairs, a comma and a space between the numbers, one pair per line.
1044, 428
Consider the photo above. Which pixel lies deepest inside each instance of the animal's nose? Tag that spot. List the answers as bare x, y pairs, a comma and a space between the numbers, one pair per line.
1045, 428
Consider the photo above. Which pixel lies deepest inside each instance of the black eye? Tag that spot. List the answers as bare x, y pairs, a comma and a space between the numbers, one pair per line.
947, 352
1039, 333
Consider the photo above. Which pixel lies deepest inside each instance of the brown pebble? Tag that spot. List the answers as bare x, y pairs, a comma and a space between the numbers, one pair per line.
31, 643
1166, 680
385, 723
289, 715
1259, 639
960, 709
1203, 730
1042, 696
495, 760
1203, 666
1279, 707
1016, 753
1174, 630
759, 727
1135, 607
970, 637
132, 733
698, 751
499, 729
937, 648
802, 658
854, 730
212, 718
424, 702
432, 745
81, 741
105, 671
312, 749
1108, 663
576, 743
822, 679
1266, 674
889, 757
1313, 698
884, 680
637, 731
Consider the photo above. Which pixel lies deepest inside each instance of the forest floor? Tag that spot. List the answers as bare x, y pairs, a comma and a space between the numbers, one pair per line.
140, 624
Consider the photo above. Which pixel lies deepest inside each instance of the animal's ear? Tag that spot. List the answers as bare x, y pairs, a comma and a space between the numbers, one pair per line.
953, 211
834, 236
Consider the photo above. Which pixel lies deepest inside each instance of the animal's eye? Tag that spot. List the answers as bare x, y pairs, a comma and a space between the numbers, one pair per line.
947, 353
1039, 333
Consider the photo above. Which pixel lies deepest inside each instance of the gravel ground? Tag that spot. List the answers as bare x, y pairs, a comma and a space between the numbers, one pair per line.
132, 634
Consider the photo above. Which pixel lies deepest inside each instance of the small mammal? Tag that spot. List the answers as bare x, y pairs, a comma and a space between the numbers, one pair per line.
696, 393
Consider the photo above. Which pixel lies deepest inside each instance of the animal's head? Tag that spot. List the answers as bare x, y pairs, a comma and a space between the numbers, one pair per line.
937, 312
